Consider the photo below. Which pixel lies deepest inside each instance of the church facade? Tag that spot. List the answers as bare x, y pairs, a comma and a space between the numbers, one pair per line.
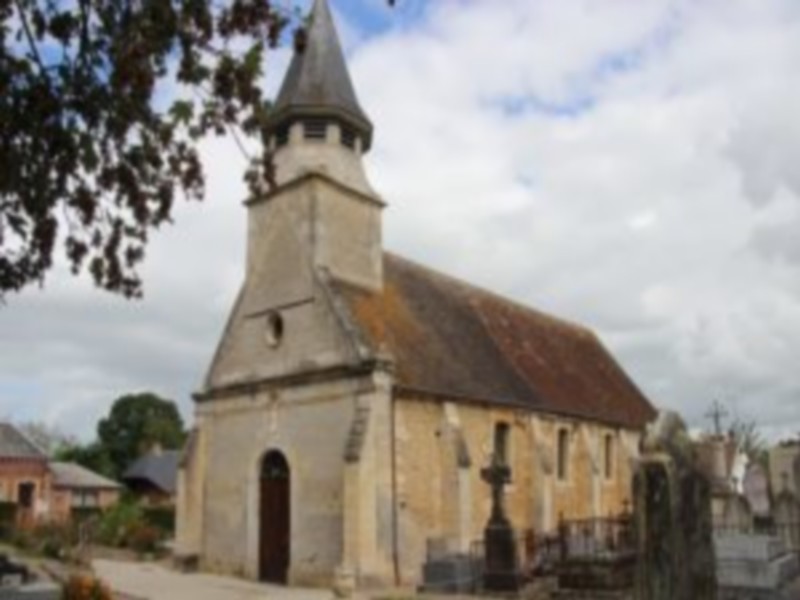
355, 395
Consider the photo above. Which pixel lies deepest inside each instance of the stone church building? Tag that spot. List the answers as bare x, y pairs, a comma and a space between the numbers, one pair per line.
355, 395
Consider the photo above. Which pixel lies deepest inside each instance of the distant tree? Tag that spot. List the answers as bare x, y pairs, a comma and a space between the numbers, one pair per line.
93, 456
49, 438
136, 423
749, 440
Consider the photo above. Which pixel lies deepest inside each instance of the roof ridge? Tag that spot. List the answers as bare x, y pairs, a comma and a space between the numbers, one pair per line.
519, 304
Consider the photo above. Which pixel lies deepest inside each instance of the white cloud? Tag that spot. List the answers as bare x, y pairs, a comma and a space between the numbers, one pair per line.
627, 164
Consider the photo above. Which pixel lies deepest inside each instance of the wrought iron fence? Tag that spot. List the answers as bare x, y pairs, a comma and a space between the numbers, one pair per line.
597, 552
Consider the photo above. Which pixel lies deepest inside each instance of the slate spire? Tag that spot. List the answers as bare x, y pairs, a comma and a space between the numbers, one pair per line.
318, 83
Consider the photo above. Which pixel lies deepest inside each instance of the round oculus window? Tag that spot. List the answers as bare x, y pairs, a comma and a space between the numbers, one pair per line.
274, 329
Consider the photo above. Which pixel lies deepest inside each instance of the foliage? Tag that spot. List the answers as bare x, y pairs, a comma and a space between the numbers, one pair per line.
136, 423
749, 440
143, 538
160, 517
89, 149
117, 523
49, 438
83, 514
102, 104
8, 518
85, 587
94, 456
54, 540
127, 525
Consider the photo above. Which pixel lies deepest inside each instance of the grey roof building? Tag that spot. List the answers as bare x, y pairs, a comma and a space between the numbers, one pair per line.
15, 444
159, 470
75, 476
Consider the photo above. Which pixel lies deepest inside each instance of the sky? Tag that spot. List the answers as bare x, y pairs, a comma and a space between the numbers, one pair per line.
628, 164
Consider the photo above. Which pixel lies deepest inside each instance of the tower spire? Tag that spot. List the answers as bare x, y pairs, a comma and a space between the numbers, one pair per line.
318, 84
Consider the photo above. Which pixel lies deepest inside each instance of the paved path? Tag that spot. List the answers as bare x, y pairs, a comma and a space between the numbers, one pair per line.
148, 581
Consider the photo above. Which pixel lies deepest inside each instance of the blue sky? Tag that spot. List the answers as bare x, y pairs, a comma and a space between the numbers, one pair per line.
627, 164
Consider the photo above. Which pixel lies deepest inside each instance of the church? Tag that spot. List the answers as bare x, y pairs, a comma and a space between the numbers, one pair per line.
355, 395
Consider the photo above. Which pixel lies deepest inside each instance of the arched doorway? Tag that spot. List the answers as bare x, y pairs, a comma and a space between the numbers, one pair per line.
275, 518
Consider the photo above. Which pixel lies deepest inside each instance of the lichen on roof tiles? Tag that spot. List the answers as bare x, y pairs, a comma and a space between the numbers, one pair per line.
453, 339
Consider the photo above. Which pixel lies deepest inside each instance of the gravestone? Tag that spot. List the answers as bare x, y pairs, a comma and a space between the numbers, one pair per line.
752, 565
448, 571
786, 515
501, 569
756, 490
672, 515
736, 514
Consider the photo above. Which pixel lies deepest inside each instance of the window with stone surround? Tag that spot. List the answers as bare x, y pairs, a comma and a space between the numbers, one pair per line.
562, 455
608, 456
501, 431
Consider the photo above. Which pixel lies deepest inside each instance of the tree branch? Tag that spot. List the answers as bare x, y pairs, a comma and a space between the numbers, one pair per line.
31, 41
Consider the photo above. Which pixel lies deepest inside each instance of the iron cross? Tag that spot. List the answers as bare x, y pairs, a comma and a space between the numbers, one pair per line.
716, 413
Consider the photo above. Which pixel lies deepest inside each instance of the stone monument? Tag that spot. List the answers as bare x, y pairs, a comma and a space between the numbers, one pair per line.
672, 516
756, 490
501, 569
787, 519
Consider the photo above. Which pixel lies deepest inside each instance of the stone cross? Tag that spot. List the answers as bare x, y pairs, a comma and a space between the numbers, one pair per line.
716, 414
497, 475
501, 573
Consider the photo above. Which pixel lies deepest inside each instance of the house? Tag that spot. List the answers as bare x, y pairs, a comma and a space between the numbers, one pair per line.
25, 478
75, 487
44, 490
153, 477
355, 396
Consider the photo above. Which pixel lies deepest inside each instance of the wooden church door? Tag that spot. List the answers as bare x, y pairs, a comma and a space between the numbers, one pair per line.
275, 519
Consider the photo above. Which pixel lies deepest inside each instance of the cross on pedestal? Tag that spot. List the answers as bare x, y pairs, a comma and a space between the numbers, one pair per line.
716, 413
497, 475
501, 569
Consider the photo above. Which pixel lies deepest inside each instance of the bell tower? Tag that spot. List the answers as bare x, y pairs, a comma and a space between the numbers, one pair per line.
318, 134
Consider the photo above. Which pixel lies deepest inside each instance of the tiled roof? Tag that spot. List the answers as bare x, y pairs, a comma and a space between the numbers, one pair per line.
452, 339
71, 475
15, 444
160, 470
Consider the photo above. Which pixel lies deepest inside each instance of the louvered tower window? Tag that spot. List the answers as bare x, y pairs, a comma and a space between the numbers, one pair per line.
282, 136
315, 129
348, 137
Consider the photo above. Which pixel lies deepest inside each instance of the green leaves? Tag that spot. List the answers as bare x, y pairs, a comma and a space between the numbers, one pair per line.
86, 152
182, 111
84, 148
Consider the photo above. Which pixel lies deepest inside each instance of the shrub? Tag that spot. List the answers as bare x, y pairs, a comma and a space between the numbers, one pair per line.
117, 522
54, 540
143, 538
161, 517
8, 515
85, 587
22, 538
82, 514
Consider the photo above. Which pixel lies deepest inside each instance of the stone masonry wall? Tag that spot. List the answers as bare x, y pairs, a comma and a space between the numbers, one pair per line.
310, 426
437, 499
